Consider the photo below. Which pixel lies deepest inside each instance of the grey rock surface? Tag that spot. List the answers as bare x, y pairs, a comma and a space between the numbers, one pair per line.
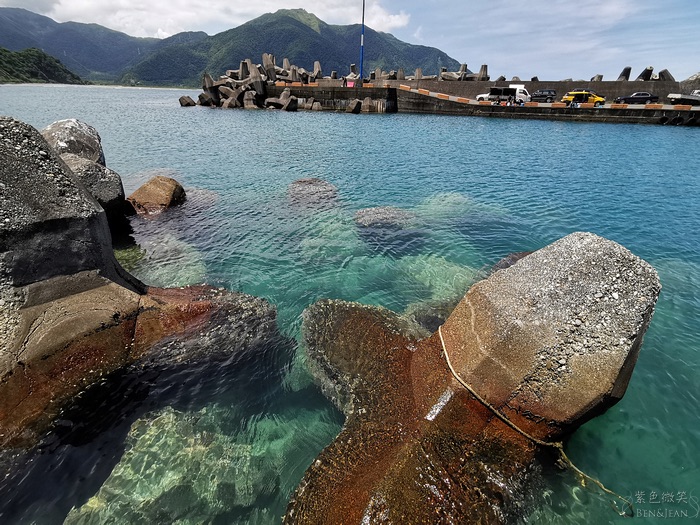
103, 183
74, 136
311, 192
557, 334
49, 223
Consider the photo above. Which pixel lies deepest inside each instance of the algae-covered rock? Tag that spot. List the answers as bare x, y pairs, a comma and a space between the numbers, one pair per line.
548, 343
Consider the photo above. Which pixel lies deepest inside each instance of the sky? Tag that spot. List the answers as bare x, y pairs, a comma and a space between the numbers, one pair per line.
550, 39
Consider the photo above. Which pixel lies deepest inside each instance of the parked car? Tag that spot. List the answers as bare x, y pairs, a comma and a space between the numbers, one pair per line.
641, 97
515, 93
544, 95
483, 96
581, 96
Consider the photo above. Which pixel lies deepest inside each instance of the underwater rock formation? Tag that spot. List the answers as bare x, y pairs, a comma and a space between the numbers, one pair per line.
312, 192
389, 229
548, 343
205, 467
383, 217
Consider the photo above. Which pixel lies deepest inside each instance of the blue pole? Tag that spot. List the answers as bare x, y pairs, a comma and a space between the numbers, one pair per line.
362, 44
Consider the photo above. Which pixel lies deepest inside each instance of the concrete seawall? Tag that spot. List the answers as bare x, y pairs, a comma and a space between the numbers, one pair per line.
458, 98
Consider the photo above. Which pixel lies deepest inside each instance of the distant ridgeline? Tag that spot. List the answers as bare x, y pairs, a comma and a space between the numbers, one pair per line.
33, 65
102, 55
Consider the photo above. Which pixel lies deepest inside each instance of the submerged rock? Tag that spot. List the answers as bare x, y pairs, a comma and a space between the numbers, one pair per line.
417, 447
190, 468
509, 260
179, 468
383, 217
389, 229
164, 261
312, 192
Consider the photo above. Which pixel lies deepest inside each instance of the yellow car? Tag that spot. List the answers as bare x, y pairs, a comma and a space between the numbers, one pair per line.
580, 96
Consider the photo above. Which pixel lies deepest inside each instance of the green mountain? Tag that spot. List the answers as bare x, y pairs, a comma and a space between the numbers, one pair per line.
33, 65
92, 51
295, 34
103, 55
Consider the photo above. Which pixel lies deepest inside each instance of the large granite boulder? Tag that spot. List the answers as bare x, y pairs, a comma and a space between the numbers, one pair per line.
74, 136
547, 343
71, 315
51, 226
157, 195
555, 336
106, 186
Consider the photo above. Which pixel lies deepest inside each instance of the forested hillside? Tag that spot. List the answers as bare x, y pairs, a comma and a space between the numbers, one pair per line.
33, 65
100, 54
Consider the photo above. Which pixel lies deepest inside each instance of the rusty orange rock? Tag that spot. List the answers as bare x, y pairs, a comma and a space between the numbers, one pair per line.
546, 343
156, 195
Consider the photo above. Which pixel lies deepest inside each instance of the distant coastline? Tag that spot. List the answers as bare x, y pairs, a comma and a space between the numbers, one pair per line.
34, 66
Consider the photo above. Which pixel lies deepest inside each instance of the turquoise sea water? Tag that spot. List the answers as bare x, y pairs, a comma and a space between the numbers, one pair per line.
479, 188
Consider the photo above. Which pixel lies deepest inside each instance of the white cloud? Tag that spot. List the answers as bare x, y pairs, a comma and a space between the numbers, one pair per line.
380, 19
161, 18
549, 38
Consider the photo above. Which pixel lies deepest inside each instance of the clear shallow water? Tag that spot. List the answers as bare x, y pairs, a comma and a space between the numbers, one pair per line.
479, 188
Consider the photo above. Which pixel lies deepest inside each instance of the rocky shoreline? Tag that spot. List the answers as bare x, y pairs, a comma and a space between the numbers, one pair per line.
548, 340
71, 314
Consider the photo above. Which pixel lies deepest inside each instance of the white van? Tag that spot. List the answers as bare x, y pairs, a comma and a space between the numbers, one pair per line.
515, 92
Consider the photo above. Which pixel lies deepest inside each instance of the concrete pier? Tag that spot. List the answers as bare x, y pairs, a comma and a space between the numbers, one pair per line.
459, 98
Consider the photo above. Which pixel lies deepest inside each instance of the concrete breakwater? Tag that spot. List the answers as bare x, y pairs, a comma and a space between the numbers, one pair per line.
290, 88
455, 98
443, 98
